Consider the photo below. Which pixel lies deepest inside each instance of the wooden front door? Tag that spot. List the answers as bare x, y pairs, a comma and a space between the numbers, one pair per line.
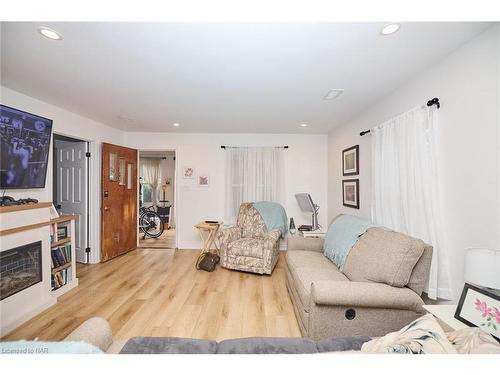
119, 201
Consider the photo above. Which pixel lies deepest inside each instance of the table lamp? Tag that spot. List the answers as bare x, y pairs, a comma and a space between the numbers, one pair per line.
482, 268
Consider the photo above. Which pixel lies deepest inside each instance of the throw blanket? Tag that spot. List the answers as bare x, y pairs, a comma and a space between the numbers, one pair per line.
341, 237
274, 216
47, 347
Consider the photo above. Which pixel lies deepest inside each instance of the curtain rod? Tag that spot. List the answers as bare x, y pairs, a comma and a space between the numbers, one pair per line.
430, 103
224, 147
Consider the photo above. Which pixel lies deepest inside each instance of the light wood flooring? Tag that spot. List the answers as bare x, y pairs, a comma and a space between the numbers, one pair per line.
153, 292
165, 241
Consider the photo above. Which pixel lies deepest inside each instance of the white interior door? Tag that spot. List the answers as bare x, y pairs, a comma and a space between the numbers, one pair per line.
72, 189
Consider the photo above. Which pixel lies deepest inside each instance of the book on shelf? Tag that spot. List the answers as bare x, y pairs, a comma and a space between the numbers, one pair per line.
60, 255
52, 234
61, 278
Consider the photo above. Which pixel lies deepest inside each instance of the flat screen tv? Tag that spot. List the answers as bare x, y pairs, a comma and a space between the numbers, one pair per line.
24, 149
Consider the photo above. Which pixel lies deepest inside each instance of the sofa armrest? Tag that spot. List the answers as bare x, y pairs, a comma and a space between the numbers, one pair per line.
364, 294
301, 243
227, 235
95, 331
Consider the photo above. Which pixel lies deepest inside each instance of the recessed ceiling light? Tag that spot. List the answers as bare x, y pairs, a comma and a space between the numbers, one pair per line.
49, 33
176, 124
390, 29
333, 94
303, 125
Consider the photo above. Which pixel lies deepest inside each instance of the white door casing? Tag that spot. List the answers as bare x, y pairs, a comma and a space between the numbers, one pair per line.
72, 190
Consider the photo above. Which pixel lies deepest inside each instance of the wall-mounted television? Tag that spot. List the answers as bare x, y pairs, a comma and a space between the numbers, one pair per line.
24, 149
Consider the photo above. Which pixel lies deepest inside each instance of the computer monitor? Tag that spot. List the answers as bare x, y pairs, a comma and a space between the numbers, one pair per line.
306, 204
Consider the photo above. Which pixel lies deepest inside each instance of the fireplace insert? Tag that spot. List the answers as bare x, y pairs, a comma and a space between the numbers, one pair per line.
20, 268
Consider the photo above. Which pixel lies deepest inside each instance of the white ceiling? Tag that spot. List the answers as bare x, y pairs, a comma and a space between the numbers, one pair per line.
235, 78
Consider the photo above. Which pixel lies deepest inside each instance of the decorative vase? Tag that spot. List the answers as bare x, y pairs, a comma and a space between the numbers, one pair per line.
292, 226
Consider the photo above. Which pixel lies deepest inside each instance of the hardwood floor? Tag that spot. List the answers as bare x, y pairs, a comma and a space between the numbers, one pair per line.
165, 241
153, 292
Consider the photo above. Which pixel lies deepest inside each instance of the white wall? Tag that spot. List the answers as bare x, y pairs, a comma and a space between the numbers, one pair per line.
305, 171
467, 83
72, 125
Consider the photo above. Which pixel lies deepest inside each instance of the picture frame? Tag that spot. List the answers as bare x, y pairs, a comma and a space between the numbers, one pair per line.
480, 308
350, 193
204, 180
350, 161
62, 233
188, 172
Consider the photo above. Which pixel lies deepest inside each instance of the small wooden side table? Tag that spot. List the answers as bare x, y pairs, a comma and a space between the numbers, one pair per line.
210, 230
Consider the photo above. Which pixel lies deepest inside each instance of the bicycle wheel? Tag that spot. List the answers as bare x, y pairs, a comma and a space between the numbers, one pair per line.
151, 223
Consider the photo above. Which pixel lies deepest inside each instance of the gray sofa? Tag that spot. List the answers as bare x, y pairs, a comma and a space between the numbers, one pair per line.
97, 331
378, 291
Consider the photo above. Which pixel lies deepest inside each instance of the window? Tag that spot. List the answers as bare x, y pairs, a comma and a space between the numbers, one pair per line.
254, 174
130, 169
147, 192
121, 171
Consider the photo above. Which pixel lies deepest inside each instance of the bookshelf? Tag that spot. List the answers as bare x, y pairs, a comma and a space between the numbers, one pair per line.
62, 255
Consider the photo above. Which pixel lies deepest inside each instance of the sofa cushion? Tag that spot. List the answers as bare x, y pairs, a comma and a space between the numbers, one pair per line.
310, 259
168, 345
248, 247
383, 256
267, 345
420, 273
308, 266
341, 344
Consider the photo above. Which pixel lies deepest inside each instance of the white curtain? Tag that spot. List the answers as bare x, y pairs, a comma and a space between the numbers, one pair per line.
253, 174
151, 174
405, 186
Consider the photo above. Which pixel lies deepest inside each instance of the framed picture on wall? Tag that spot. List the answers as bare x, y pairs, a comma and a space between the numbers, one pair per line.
188, 172
350, 193
350, 161
203, 180
480, 308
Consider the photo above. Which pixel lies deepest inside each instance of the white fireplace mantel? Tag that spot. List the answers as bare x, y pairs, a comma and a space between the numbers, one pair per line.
19, 227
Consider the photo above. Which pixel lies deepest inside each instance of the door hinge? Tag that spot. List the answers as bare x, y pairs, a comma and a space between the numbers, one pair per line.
87, 249
87, 154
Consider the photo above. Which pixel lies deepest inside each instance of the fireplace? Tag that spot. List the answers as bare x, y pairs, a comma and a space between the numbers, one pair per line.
20, 268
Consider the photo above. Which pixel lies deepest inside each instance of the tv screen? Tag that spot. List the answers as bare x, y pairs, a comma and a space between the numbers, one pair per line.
24, 149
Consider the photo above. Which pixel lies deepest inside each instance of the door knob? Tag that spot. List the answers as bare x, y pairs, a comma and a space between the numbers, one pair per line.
106, 208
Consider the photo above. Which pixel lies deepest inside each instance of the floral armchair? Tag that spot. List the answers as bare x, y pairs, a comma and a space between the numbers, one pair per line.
248, 246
